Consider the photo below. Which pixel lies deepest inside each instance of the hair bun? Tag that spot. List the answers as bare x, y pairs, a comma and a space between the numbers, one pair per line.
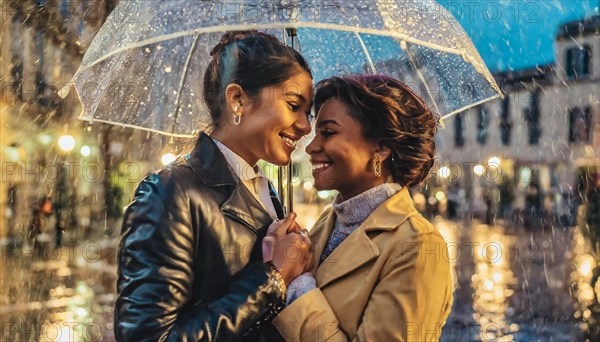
231, 37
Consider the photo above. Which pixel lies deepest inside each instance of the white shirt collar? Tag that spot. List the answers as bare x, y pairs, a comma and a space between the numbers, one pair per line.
241, 168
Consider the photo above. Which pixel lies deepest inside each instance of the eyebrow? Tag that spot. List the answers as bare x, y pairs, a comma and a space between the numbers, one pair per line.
300, 96
325, 122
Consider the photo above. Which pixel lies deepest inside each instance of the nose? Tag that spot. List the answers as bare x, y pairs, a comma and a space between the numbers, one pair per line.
303, 125
312, 147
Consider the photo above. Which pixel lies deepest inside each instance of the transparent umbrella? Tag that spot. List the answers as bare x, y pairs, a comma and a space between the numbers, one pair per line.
145, 66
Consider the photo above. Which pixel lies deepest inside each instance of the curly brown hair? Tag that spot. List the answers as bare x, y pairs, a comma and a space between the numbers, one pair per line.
391, 114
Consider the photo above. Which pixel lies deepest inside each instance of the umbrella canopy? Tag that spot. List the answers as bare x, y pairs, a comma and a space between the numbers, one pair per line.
145, 66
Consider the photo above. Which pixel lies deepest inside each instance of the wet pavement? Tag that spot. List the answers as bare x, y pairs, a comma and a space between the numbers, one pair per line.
66, 294
511, 285
515, 285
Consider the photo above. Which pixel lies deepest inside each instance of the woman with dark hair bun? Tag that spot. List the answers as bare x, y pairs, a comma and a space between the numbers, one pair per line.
191, 264
382, 271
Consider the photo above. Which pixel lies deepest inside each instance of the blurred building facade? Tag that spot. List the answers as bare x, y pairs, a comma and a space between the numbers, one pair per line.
88, 171
526, 151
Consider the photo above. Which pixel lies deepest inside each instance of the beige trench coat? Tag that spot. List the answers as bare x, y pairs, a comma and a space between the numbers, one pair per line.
387, 281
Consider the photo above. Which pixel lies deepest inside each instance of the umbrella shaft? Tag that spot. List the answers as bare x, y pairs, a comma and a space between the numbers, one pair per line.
290, 189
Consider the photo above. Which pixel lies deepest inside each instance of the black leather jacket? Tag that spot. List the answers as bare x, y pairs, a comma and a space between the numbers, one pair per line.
190, 263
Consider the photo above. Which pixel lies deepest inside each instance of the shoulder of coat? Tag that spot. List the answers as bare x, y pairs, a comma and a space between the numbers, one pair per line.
414, 229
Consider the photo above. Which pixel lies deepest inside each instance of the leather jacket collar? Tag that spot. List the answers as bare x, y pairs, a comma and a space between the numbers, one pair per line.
209, 163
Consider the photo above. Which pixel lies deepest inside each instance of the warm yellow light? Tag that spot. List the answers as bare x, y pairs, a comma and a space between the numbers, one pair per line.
478, 169
85, 151
440, 195
488, 285
585, 267
66, 143
586, 292
494, 162
307, 186
498, 277
168, 158
444, 172
45, 139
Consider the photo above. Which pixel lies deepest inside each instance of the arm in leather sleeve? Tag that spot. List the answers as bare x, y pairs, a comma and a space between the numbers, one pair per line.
410, 303
156, 275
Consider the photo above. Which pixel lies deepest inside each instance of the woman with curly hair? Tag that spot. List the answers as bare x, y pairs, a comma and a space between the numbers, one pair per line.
381, 270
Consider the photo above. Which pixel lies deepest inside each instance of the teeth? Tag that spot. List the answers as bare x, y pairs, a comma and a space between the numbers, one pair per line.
316, 167
290, 141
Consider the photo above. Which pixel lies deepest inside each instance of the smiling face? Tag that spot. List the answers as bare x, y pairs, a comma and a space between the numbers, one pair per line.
341, 157
272, 124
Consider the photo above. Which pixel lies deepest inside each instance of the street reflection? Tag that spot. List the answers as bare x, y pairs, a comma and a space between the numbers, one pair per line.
510, 285
513, 284
50, 294
492, 282
585, 285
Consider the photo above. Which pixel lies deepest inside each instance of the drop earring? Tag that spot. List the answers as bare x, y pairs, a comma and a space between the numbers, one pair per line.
377, 165
237, 117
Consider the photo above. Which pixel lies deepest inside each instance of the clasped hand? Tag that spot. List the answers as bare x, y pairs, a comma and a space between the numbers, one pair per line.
288, 246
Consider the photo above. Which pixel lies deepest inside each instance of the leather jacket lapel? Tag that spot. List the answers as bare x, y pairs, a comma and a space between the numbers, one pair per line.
242, 206
209, 163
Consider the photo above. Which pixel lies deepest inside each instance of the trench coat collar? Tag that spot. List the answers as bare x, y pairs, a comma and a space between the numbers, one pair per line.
358, 248
210, 164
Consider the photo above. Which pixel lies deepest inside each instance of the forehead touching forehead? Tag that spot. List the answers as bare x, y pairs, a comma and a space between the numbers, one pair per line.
333, 112
299, 88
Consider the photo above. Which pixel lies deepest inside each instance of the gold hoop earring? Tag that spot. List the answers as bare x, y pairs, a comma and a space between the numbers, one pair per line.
377, 165
237, 119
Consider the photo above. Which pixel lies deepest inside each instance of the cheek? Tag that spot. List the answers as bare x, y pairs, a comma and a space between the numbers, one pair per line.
350, 155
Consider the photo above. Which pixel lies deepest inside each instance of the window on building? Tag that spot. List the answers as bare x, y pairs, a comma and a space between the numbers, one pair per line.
580, 125
505, 122
459, 138
579, 62
482, 126
532, 117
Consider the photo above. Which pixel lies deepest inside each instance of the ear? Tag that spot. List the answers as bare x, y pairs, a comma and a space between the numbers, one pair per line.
234, 94
383, 151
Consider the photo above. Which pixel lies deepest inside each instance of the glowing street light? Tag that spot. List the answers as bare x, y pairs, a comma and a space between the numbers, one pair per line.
478, 169
444, 172
66, 143
45, 139
440, 195
168, 158
85, 151
494, 162
307, 186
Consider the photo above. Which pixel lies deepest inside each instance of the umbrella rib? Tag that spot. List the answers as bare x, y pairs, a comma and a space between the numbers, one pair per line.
364, 47
183, 78
90, 119
316, 25
475, 104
